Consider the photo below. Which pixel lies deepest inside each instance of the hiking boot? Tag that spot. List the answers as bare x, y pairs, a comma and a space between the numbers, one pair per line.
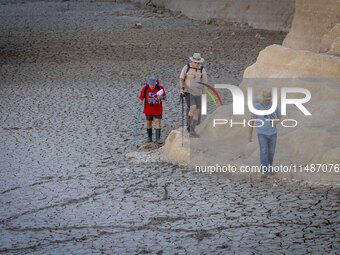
149, 132
193, 135
158, 136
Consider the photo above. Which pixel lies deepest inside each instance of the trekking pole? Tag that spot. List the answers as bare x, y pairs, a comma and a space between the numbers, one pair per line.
136, 125
182, 96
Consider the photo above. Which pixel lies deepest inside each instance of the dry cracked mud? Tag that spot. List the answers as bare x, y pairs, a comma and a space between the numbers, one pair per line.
70, 74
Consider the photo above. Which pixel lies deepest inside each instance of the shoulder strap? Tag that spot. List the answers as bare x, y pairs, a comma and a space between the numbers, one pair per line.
201, 69
147, 86
145, 89
157, 85
188, 68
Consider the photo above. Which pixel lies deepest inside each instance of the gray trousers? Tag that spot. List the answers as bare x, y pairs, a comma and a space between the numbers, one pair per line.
192, 100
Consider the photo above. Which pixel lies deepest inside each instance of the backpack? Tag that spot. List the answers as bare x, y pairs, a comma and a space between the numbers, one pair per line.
147, 86
189, 67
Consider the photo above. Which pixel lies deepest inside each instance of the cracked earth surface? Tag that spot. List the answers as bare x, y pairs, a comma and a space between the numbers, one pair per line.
70, 73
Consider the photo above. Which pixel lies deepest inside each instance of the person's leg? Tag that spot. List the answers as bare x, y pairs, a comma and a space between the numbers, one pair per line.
148, 124
198, 101
158, 123
263, 141
158, 129
149, 128
188, 119
271, 148
193, 113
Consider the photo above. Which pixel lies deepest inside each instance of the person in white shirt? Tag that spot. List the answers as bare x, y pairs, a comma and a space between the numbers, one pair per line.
191, 74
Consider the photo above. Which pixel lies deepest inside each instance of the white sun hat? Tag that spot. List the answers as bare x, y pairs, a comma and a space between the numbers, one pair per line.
197, 58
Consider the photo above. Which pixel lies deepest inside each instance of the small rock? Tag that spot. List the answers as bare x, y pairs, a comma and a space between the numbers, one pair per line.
176, 13
214, 21
145, 146
83, 96
233, 33
166, 192
209, 21
220, 22
137, 26
258, 36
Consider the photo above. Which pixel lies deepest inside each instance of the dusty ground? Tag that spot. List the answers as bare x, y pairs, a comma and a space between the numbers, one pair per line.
70, 73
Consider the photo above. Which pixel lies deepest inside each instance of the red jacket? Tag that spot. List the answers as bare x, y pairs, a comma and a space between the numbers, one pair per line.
152, 105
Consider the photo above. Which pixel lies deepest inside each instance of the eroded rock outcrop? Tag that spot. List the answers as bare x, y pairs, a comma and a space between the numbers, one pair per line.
330, 41
279, 61
175, 149
264, 14
316, 138
312, 20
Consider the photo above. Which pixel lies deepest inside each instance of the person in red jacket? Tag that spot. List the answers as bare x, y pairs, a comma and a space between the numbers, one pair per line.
152, 95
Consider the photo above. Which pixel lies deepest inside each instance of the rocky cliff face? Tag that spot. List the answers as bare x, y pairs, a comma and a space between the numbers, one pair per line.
315, 26
316, 139
264, 14
309, 58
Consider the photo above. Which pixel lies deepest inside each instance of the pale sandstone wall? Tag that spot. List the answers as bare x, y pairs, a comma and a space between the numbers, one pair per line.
317, 138
263, 14
313, 19
329, 41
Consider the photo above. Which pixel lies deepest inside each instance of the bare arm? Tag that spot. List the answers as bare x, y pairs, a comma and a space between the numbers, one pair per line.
204, 76
181, 84
182, 79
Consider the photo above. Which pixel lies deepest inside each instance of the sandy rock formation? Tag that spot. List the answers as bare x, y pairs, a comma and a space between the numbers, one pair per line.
312, 20
330, 41
279, 61
316, 138
335, 48
264, 14
173, 149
